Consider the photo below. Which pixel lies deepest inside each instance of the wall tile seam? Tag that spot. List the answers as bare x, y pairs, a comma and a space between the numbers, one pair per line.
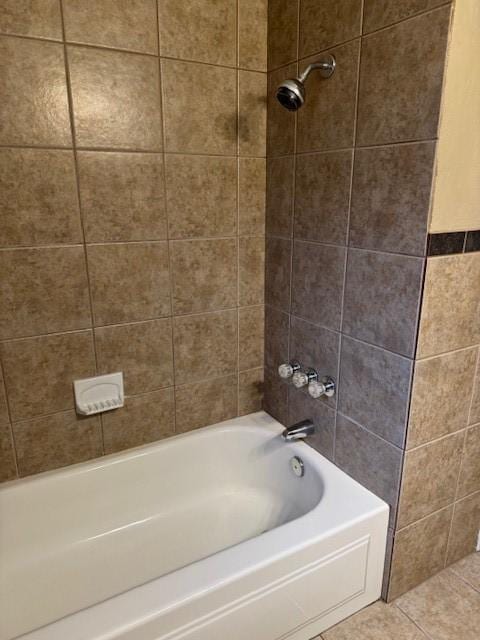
100, 47
174, 387
411, 18
129, 322
130, 150
450, 505
450, 529
363, 34
79, 199
445, 436
347, 246
381, 145
370, 432
103, 243
448, 353
338, 332
9, 417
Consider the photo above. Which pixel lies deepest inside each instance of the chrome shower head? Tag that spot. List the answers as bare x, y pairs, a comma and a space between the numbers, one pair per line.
291, 93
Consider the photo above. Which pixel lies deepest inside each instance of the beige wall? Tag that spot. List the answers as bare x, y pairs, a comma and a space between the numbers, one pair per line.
456, 194
132, 220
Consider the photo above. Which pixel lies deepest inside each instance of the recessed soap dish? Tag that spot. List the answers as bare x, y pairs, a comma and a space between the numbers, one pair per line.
99, 394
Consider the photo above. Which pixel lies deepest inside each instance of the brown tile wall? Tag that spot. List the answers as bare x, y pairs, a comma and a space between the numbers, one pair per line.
132, 200
439, 508
348, 193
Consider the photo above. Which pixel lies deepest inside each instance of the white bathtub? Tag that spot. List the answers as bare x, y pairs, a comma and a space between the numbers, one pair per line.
205, 536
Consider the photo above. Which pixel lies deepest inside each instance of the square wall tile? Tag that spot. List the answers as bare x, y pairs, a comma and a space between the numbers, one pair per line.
277, 325
327, 120
382, 297
143, 351
129, 281
201, 196
280, 180
469, 480
251, 196
280, 122
282, 32
325, 24
315, 348
39, 372
143, 419
56, 441
401, 80
38, 198
464, 532
251, 261
33, 86
120, 25
8, 469
451, 282
391, 198
201, 30
322, 196
250, 391
204, 275
278, 259
374, 463
251, 325
36, 18
441, 395
197, 119
215, 401
419, 552
42, 291
275, 396
303, 407
374, 389
106, 86
430, 476
252, 34
205, 346
252, 119
380, 13
122, 196
317, 296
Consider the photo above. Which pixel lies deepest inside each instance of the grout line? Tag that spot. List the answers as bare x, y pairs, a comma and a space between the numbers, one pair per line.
422, 631
122, 324
100, 47
80, 211
373, 433
167, 219
9, 413
158, 151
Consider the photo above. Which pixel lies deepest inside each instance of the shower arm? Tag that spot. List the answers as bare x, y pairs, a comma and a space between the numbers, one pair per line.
327, 67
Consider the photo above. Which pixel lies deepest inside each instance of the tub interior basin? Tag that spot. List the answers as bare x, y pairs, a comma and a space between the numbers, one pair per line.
101, 528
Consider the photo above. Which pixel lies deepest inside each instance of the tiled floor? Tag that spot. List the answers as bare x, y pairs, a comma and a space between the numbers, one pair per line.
446, 607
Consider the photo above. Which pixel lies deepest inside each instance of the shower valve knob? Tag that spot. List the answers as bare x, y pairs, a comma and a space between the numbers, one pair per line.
304, 378
323, 387
287, 369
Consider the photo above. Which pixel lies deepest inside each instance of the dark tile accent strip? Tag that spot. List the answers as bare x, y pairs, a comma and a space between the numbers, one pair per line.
442, 244
472, 243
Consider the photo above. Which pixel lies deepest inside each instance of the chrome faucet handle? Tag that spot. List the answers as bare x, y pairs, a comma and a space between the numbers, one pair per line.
287, 369
323, 387
303, 378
